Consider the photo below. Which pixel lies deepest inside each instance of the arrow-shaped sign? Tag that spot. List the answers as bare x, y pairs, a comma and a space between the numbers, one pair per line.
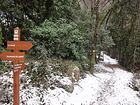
12, 56
19, 45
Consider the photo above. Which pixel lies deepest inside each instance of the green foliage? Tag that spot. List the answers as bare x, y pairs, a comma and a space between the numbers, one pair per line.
0, 36
38, 73
24, 14
5, 67
1, 43
1, 49
57, 27
42, 73
123, 23
59, 38
1, 67
105, 41
67, 9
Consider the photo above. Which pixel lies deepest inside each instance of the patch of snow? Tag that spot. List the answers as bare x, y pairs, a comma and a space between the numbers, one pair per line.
107, 59
123, 93
65, 81
101, 68
57, 96
84, 92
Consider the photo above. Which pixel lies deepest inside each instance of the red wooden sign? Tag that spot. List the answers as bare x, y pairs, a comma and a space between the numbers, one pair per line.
19, 45
17, 59
12, 56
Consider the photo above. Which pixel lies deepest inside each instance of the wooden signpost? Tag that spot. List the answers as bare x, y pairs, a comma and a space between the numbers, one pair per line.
17, 59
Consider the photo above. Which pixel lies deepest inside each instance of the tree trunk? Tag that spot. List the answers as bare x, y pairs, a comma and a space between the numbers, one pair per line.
95, 28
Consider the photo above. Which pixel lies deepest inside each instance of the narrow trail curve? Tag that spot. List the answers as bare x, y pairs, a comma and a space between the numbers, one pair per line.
109, 93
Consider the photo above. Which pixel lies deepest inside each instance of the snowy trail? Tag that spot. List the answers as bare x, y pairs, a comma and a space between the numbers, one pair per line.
110, 85
115, 90
115, 85
106, 90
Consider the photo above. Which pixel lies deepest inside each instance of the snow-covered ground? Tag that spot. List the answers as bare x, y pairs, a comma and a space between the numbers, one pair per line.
110, 86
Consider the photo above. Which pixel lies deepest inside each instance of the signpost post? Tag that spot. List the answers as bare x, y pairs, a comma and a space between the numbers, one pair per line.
17, 59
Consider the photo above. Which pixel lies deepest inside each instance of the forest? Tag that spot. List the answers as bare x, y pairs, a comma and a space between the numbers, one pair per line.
69, 34
71, 29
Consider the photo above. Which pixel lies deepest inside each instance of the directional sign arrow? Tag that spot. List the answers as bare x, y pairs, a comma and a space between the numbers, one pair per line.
12, 56
19, 45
